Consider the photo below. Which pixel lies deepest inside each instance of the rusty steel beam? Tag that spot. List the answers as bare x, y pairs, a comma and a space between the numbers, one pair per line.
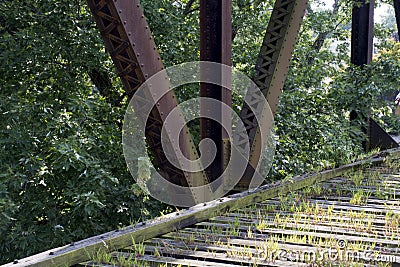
128, 39
271, 70
216, 46
361, 54
362, 33
361, 47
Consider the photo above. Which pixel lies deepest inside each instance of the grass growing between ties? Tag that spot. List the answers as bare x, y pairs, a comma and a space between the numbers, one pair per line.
350, 220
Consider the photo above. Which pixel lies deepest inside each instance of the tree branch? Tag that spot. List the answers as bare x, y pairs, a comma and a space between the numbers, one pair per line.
188, 8
320, 40
102, 81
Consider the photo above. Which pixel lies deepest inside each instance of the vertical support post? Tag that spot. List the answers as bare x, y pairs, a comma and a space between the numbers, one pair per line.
215, 46
361, 54
362, 46
362, 33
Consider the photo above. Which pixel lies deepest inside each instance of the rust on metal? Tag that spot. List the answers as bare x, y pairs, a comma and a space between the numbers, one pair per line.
361, 54
128, 39
215, 46
271, 70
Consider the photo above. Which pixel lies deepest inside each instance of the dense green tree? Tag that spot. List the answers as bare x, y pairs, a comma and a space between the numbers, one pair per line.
62, 173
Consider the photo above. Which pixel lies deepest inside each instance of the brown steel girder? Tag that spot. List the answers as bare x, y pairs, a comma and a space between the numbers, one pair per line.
216, 46
271, 70
128, 39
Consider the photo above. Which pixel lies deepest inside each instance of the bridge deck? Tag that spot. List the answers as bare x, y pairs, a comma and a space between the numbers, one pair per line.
358, 212
349, 216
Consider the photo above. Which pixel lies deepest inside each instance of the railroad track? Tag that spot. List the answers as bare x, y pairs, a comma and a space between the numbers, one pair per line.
349, 216
350, 220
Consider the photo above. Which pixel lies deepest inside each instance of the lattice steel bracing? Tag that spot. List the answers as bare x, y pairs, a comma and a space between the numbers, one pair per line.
271, 70
129, 41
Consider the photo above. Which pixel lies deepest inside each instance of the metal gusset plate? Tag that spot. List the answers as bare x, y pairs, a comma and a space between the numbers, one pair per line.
378, 137
129, 41
271, 70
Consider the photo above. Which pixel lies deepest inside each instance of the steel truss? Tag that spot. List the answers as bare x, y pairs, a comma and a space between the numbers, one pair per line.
271, 70
128, 39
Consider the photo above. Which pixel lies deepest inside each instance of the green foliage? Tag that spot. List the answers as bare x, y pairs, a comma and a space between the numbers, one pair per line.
322, 88
313, 133
62, 173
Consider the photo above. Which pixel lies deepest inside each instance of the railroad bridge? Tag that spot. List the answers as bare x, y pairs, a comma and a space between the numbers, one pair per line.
348, 216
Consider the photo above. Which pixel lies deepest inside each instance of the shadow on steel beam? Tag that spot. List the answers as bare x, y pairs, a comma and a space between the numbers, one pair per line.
378, 137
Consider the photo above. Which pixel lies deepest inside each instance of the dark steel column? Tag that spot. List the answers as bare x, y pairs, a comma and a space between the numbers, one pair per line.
361, 54
362, 33
215, 46
362, 45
